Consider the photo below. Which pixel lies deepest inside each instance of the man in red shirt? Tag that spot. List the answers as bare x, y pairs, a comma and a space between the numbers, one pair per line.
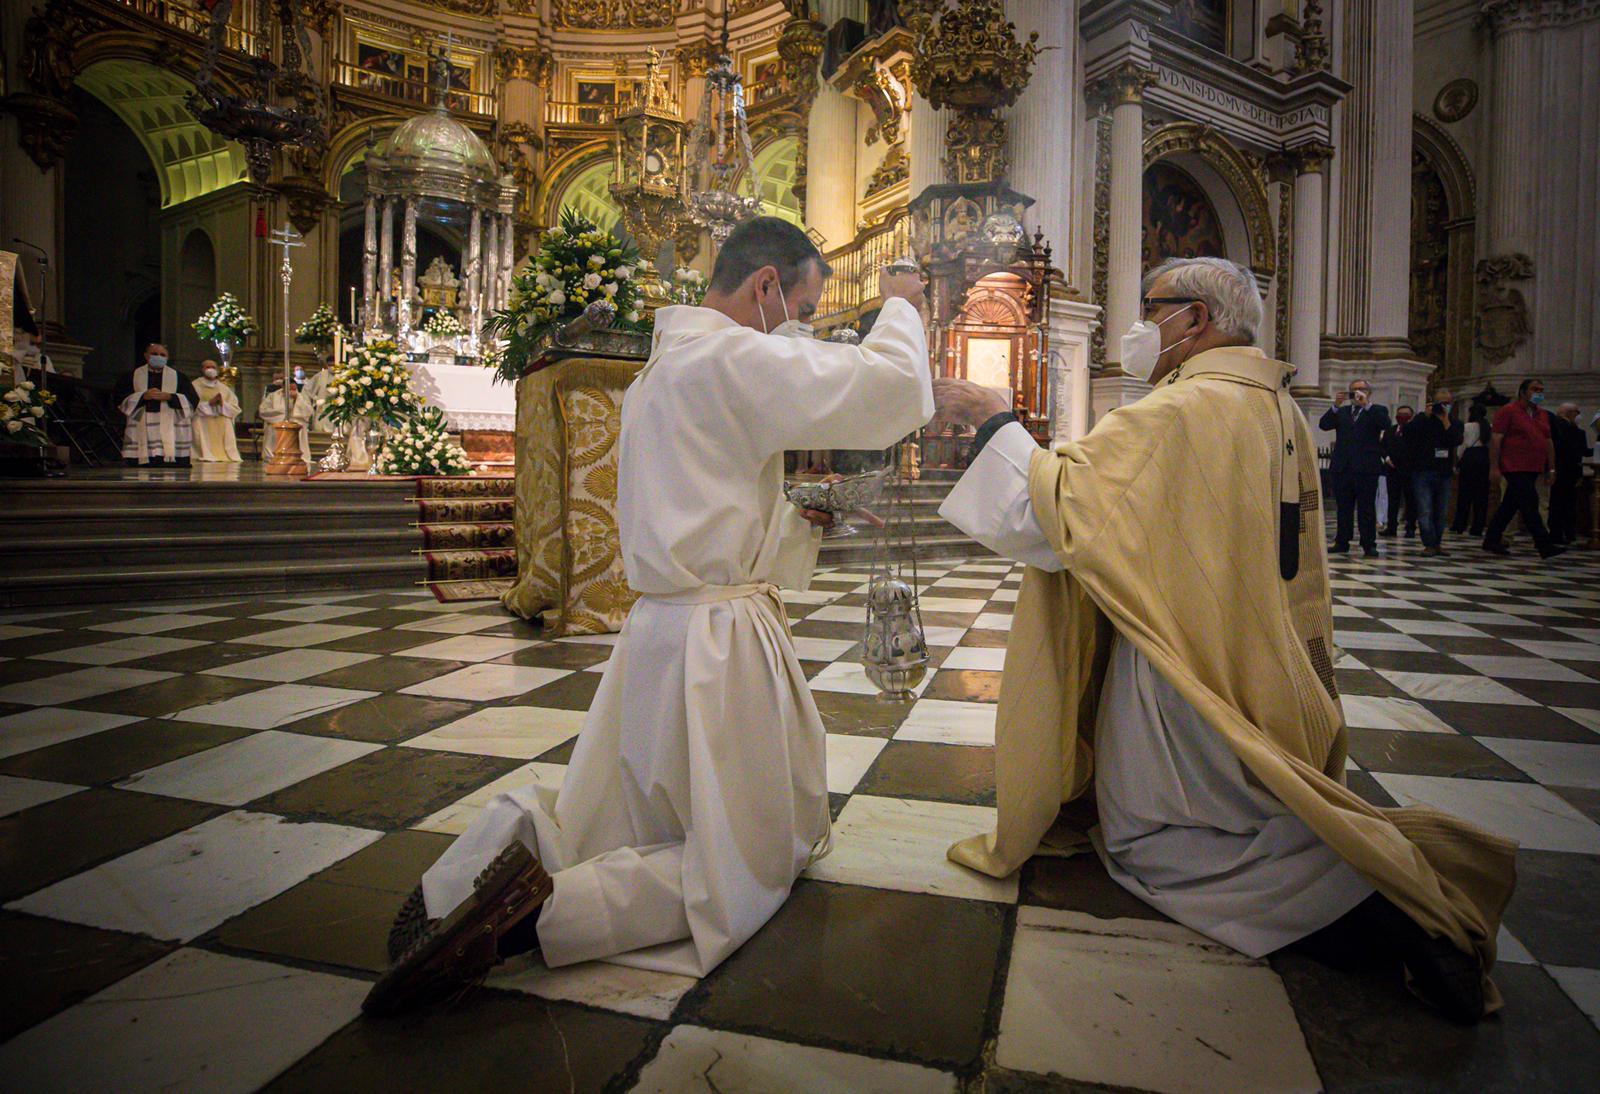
1519, 452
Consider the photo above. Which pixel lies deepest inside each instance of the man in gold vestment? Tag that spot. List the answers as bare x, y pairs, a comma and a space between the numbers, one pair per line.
1172, 648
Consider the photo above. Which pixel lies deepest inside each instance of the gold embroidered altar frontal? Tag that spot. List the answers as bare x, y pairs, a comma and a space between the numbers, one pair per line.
569, 553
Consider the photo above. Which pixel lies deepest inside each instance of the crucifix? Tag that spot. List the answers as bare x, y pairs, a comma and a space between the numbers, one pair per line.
286, 450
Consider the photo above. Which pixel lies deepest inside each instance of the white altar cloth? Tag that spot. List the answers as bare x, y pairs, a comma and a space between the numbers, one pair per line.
469, 395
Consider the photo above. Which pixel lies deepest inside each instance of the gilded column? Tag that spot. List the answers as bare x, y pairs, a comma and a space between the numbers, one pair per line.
1309, 262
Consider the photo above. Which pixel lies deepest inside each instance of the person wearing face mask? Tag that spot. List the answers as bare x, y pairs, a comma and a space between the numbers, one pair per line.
1172, 652
159, 403
218, 407
271, 411
1359, 427
1520, 451
1399, 460
1431, 441
698, 790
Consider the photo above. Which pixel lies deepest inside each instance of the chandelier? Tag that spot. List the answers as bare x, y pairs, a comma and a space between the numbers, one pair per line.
280, 105
720, 157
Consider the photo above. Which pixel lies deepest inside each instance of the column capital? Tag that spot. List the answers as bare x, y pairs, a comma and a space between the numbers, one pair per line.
1308, 159
532, 63
1123, 85
1502, 16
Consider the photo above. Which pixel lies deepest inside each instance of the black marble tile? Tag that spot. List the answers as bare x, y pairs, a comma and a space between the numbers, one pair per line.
1552, 911
1501, 720
46, 966
388, 789
932, 772
1413, 753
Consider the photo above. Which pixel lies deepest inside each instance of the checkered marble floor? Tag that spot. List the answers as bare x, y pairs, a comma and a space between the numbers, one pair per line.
210, 811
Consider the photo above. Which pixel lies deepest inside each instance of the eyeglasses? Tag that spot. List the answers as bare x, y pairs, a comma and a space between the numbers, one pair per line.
1153, 302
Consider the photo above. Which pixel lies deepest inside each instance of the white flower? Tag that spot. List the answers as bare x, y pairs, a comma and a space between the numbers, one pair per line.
610, 288
13, 396
632, 316
26, 385
591, 281
37, 412
625, 272
13, 426
558, 297
596, 261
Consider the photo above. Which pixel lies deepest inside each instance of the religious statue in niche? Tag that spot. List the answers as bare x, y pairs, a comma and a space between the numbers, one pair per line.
1202, 21
1179, 220
961, 220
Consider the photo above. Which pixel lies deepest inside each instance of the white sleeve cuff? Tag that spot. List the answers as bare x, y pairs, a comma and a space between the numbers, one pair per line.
992, 505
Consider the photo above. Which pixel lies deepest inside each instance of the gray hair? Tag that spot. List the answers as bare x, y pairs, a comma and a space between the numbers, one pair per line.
1227, 289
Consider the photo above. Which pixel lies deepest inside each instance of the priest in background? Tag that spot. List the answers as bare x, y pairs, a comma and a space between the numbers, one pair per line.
159, 403
271, 412
698, 789
1172, 649
308, 409
214, 441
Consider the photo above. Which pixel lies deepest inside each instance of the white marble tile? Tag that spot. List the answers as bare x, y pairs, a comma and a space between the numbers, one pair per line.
1348, 661
1453, 688
1485, 619
820, 649
992, 621
17, 794
192, 607
694, 1060
975, 657
1349, 611
1521, 668
183, 886
839, 613
1589, 719
1434, 596
1541, 612
44, 726
849, 757
520, 732
1582, 987
1582, 634
1380, 712
1437, 627
1006, 596
155, 622
290, 665
1383, 603
1550, 763
69, 687
967, 583
119, 650
1379, 640
1526, 812
272, 707
638, 992
249, 768
1148, 1006
307, 634
467, 623
1559, 651
194, 1020
591, 640
19, 630
943, 721
955, 605
894, 843
471, 647
312, 613
454, 818
851, 677
1510, 951
1562, 601
813, 596
1388, 579
482, 683
944, 636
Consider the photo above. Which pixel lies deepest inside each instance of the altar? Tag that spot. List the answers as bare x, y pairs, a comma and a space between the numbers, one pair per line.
472, 399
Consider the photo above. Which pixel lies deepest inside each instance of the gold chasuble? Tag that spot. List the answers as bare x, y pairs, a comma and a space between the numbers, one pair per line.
1169, 537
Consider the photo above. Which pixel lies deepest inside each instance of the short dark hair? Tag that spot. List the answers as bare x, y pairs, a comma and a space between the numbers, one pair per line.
1405, 406
765, 241
1522, 389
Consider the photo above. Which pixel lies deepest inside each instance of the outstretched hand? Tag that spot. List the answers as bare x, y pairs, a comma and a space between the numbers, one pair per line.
962, 402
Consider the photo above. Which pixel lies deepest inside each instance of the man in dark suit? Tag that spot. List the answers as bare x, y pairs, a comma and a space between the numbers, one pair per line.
1358, 426
1572, 448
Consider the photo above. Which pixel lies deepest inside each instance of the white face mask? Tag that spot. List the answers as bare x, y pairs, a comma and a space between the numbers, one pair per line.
789, 328
158, 361
299, 375
1141, 346
209, 373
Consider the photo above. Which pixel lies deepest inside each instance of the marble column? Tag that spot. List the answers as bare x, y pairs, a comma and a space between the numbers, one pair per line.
1071, 323
1123, 89
1045, 122
926, 147
488, 290
831, 144
508, 257
380, 317
369, 268
1308, 263
1372, 302
472, 275
408, 267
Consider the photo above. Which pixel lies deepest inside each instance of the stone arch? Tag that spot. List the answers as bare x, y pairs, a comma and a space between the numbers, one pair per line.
580, 180
1235, 185
197, 288
775, 163
190, 161
1443, 213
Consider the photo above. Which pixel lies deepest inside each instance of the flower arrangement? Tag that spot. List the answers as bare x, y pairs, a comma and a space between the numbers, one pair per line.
443, 324
422, 446
318, 330
576, 264
225, 321
688, 286
372, 383
22, 412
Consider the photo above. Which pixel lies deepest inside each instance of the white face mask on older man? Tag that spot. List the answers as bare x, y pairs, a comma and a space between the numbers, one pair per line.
1141, 346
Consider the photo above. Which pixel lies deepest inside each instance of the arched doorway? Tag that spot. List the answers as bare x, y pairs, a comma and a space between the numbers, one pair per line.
775, 164
1441, 300
197, 288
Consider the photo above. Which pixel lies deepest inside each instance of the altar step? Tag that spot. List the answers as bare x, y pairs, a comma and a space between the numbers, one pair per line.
96, 541
935, 538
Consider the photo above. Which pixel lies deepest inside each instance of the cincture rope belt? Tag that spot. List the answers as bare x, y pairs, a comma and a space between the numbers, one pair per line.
721, 594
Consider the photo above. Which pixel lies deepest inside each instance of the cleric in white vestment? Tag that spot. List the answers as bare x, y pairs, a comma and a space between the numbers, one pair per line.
158, 402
